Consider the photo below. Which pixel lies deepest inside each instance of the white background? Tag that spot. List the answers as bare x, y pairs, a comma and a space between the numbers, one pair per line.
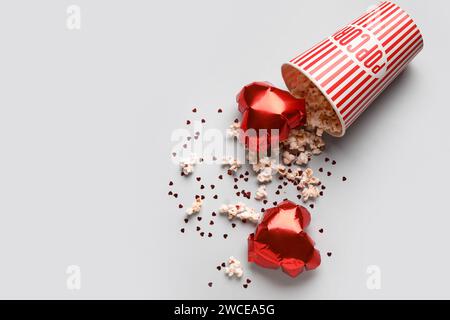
85, 123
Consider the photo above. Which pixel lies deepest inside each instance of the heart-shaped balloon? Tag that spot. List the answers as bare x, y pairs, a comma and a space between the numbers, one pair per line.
280, 240
268, 113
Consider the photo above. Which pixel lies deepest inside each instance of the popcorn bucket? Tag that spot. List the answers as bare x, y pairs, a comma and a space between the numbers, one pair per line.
354, 65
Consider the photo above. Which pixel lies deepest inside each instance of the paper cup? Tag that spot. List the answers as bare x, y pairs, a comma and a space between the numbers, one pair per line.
354, 65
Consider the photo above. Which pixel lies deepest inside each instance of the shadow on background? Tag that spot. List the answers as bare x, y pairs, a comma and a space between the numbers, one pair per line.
378, 109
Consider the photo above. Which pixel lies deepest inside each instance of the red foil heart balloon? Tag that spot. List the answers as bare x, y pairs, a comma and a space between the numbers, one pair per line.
280, 240
270, 112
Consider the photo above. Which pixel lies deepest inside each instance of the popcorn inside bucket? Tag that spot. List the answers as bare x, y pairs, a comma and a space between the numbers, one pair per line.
319, 112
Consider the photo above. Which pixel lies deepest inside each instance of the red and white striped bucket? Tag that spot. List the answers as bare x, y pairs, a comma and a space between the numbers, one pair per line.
353, 66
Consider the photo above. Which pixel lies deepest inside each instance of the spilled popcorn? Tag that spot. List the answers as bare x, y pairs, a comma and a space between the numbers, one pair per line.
310, 192
234, 130
240, 211
299, 148
234, 268
196, 206
261, 193
264, 168
265, 175
303, 140
303, 158
188, 164
232, 163
288, 158
307, 178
